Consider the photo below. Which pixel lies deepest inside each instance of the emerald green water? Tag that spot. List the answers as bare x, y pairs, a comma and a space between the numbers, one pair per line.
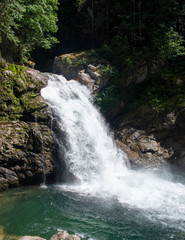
43, 212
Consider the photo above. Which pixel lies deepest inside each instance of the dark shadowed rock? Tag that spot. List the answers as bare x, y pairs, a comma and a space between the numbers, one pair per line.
22, 148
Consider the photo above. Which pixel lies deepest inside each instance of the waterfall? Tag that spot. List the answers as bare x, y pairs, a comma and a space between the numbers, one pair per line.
90, 152
97, 167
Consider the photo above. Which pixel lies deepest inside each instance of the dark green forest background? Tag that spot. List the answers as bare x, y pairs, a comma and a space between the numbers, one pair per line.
155, 26
124, 32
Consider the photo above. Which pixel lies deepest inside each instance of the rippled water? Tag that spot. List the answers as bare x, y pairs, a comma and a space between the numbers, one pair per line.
43, 212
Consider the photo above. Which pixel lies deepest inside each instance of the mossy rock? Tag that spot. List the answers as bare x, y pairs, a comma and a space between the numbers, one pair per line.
32, 102
69, 65
21, 146
73, 58
20, 92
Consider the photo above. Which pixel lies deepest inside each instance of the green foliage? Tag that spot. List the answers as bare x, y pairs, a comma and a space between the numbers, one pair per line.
83, 61
132, 25
162, 91
159, 90
25, 25
120, 44
171, 45
80, 2
106, 51
69, 61
174, 46
111, 95
108, 99
110, 72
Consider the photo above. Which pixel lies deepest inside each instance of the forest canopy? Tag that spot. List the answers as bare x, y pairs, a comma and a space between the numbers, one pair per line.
156, 27
137, 24
25, 25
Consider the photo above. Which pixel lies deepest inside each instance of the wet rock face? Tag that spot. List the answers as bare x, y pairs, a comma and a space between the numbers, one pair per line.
142, 149
25, 153
26, 141
150, 141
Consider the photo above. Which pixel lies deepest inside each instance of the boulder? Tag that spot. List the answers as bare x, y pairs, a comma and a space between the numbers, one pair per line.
63, 235
143, 150
20, 93
83, 67
31, 238
93, 72
85, 79
69, 65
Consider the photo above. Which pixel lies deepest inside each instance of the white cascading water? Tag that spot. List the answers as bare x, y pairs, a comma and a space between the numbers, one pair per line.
99, 167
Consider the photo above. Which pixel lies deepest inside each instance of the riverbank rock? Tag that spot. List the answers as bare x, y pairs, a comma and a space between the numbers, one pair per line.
31, 238
25, 153
85, 67
151, 140
26, 141
63, 235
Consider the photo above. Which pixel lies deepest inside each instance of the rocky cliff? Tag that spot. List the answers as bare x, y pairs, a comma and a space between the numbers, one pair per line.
26, 141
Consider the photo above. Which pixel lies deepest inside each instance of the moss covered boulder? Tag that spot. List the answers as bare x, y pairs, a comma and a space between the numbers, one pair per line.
26, 141
86, 67
20, 92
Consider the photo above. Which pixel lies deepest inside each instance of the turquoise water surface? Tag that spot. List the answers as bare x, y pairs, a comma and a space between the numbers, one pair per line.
45, 211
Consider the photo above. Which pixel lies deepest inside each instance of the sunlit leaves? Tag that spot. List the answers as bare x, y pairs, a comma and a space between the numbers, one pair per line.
27, 24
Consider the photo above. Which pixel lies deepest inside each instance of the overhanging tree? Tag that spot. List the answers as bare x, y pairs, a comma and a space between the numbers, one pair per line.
25, 25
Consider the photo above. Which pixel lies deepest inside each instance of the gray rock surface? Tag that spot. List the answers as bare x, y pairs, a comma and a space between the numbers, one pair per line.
150, 140
31, 238
63, 235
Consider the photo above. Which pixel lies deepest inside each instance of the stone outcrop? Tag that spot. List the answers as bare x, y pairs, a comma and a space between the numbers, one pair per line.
84, 67
150, 140
26, 141
31, 238
63, 235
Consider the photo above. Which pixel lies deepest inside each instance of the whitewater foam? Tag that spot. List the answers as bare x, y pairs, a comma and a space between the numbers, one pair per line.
99, 167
